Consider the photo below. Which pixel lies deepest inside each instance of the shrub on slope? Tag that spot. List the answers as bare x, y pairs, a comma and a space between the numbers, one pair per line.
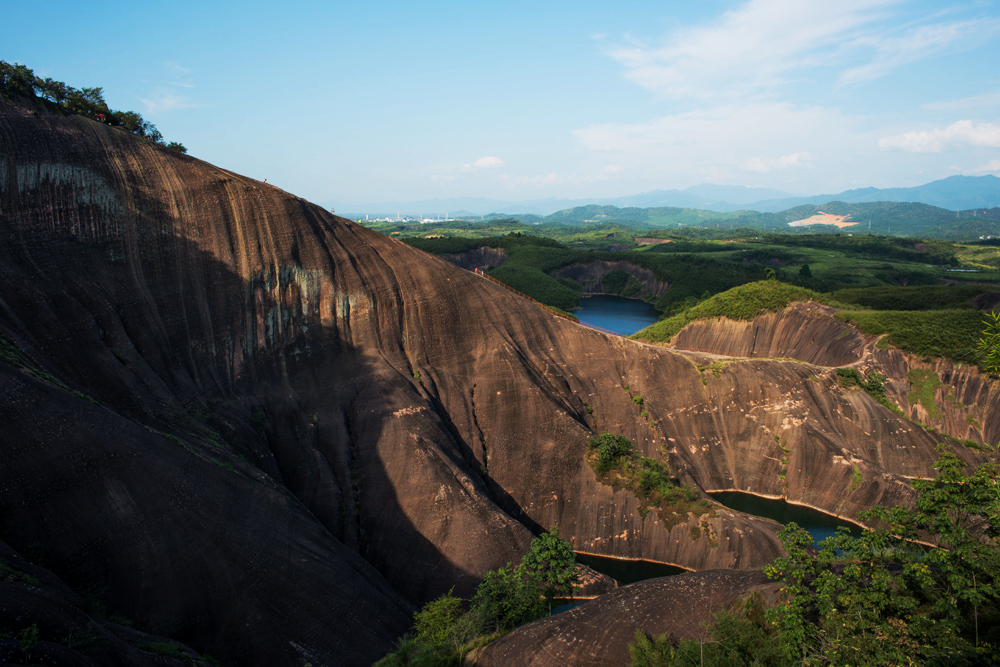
740, 303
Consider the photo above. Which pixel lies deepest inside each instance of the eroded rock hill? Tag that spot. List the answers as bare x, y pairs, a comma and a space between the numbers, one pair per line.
274, 431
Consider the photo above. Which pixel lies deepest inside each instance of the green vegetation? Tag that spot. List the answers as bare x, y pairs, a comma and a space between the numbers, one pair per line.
17, 81
742, 636
931, 333
924, 297
875, 273
876, 599
175, 651
925, 383
989, 344
874, 385
8, 572
617, 464
447, 628
10, 354
740, 303
856, 478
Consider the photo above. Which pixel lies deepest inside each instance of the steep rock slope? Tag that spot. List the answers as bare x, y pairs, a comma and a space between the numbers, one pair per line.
952, 397
297, 426
805, 331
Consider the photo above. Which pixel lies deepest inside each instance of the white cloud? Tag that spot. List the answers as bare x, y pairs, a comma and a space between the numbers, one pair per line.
614, 169
802, 159
723, 143
762, 44
749, 48
914, 44
164, 99
552, 178
960, 133
487, 162
991, 167
176, 70
986, 100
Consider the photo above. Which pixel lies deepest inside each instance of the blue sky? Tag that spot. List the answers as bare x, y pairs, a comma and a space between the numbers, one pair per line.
368, 102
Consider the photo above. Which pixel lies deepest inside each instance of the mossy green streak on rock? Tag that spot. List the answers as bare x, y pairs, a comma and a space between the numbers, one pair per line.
10, 354
930, 333
617, 464
7, 571
740, 303
925, 385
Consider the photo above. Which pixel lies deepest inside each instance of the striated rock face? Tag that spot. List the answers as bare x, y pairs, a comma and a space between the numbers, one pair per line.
805, 331
965, 402
589, 275
272, 431
598, 632
483, 258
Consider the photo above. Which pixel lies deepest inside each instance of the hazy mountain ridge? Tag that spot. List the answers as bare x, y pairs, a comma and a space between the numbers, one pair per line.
955, 193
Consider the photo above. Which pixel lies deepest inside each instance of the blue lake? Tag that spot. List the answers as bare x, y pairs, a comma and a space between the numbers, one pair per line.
818, 524
615, 313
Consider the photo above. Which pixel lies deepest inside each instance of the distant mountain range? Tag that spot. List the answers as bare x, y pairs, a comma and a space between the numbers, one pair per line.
953, 193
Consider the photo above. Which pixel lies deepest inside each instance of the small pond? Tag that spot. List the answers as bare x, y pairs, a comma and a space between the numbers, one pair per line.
628, 571
818, 524
615, 313
623, 571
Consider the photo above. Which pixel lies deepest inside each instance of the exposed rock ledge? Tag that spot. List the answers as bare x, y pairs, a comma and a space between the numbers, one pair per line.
484, 258
589, 275
965, 400
805, 331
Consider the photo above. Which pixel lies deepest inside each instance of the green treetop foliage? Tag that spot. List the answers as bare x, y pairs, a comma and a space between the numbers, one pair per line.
17, 81
552, 562
922, 588
989, 343
883, 598
447, 628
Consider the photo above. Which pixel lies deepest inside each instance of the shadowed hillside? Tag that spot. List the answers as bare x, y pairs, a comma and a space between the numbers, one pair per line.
267, 432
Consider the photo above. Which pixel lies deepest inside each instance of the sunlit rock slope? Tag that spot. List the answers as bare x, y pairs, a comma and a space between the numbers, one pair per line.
267, 432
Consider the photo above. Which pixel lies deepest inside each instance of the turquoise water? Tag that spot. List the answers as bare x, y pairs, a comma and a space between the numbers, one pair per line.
818, 524
615, 313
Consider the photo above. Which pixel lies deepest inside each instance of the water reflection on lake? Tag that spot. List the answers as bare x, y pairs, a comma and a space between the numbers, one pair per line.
818, 524
615, 313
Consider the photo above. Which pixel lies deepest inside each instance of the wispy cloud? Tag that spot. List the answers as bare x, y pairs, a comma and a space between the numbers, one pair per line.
163, 99
723, 143
760, 45
958, 134
487, 162
165, 96
916, 43
976, 101
803, 159
992, 167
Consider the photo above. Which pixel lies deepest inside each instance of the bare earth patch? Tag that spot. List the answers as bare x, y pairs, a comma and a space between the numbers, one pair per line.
821, 218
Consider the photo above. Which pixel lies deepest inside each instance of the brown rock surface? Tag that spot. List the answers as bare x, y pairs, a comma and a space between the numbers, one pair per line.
598, 632
484, 258
300, 426
805, 331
